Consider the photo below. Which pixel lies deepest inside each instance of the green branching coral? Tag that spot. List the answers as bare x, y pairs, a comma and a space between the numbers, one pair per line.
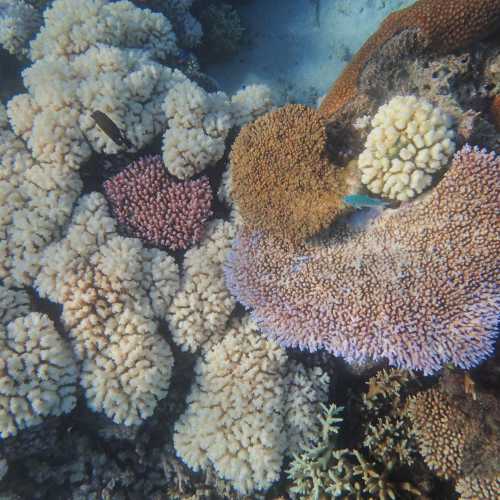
320, 469
325, 470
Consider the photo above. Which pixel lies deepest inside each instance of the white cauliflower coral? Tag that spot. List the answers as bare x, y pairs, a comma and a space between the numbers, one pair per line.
38, 373
249, 407
113, 291
199, 123
73, 26
410, 141
18, 22
200, 311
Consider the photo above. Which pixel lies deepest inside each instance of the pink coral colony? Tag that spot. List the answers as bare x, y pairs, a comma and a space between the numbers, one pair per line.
157, 208
418, 287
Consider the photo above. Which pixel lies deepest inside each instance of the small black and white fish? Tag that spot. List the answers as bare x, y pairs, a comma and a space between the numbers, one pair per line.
111, 129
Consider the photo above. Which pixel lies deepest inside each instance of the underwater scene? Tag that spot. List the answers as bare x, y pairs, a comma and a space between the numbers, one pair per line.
249, 249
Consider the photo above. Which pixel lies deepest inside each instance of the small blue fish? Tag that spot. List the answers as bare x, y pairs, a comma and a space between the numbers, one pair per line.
364, 201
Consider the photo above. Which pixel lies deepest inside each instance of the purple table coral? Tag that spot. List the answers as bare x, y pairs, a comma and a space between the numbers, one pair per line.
419, 286
157, 208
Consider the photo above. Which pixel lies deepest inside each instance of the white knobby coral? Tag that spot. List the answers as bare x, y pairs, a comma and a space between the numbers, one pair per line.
240, 418
37, 371
113, 290
36, 199
73, 26
18, 22
250, 102
200, 311
198, 126
55, 117
410, 141
199, 123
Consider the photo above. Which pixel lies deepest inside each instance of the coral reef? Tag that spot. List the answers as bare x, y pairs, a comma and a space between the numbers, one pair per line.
441, 430
112, 290
18, 22
418, 286
457, 434
241, 413
187, 28
222, 31
36, 199
324, 469
156, 208
54, 117
410, 141
38, 374
199, 123
442, 27
281, 177
249, 103
198, 126
91, 73
72, 27
200, 310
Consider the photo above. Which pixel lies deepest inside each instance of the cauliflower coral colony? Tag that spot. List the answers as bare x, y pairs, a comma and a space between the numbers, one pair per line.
367, 229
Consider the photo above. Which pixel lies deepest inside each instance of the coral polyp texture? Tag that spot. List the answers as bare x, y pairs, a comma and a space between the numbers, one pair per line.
201, 309
72, 27
457, 440
199, 123
158, 209
410, 141
18, 22
418, 287
38, 373
242, 417
281, 178
428, 25
36, 199
113, 291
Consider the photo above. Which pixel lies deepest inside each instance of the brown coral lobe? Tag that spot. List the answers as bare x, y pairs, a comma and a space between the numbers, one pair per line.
282, 178
440, 26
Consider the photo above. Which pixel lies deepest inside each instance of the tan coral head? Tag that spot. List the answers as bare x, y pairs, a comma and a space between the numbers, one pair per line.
282, 179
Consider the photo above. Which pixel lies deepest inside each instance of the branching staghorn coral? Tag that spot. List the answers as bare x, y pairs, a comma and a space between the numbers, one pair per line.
242, 417
325, 470
418, 287
113, 291
38, 373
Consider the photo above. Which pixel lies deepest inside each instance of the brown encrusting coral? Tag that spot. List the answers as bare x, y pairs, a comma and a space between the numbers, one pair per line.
457, 434
281, 177
428, 25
